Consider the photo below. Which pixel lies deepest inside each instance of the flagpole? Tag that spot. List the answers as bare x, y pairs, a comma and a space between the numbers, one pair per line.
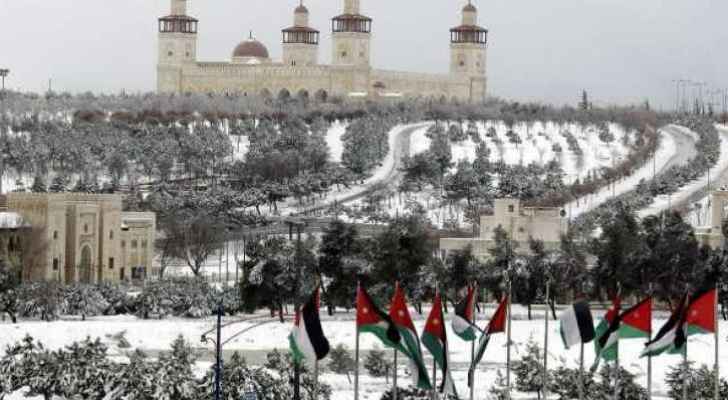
616, 373
508, 345
717, 347
356, 353
649, 356
434, 378
394, 379
581, 372
315, 380
685, 366
649, 369
544, 377
471, 376
434, 360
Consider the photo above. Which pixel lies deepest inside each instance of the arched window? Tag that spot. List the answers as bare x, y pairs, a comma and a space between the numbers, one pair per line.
111, 235
85, 228
55, 234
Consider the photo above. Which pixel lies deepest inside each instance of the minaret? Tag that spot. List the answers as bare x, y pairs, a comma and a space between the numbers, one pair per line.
351, 36
468, 51
177, 46
300, 41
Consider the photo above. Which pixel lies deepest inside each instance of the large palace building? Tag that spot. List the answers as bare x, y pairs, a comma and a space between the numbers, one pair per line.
299, 73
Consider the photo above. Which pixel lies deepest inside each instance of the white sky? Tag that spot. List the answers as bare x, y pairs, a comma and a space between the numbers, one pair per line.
619, 50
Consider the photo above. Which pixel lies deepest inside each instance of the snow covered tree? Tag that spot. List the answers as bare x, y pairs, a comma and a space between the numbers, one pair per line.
9, 282
565, 383
529, 370
41, 300
340, 361
59, 184
83, 369
173, 375
700, 382
628, 388
238, 379
283, 365
135, 380
376, 364
84, 300
39, 185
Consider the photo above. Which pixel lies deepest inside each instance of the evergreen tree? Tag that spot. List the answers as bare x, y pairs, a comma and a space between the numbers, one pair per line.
376, 364
39, 185
59, 184
340, 361
529, 370
700, 382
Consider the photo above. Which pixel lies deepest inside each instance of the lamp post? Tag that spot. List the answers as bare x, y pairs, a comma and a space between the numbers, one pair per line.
4, 72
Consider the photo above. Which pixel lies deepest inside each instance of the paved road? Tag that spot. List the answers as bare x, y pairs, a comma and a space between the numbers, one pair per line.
390, 179
685, 144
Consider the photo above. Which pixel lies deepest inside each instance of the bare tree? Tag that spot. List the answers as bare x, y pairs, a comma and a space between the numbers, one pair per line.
193, 238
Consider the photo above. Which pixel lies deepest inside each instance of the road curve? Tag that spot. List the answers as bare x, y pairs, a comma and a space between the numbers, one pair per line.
400, 145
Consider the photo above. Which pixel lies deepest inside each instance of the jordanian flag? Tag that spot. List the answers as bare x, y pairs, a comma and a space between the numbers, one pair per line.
701, 313
636, 322
307, 340
369, 318
672, 336
577, 325
399, 313
435, 340
606, 345
463, 322
497, 324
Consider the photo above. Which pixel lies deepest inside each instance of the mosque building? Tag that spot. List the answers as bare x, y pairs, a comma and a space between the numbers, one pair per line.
251, 71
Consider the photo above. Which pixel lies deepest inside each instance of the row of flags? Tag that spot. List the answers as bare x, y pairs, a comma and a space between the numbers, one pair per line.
395, 329
694, 315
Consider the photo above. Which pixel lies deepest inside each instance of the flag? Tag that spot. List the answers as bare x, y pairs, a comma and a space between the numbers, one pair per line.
435, 340
307, 340
400, 315
671, 337
577, 325
606, 345
369, 318
463, 322
497, 324
636, 322
700, 316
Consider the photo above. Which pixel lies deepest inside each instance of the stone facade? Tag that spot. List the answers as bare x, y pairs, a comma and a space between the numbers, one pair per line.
713, 235
299, 73
521, 224
87, 236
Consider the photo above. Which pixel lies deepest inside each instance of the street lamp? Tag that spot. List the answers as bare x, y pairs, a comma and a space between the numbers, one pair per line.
4, 72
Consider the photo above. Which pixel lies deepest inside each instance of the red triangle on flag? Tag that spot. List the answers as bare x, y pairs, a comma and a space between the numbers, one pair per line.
435, 325
498, 321
366, 312
639, 316
614, 310
398, 310
701, 311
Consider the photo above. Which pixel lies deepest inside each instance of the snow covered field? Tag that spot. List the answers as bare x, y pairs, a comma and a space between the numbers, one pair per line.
538, 140
665, 152
256, 340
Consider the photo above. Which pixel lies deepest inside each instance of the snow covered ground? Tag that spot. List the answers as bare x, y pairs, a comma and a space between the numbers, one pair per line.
716, 177
256, 340
333, 140
538, 140
665, 152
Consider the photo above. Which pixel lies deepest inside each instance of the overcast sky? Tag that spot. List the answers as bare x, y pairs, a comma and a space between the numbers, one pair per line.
621, 51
